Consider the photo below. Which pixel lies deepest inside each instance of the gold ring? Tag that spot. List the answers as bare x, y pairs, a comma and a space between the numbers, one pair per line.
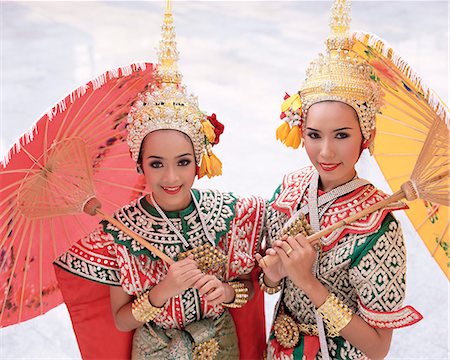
288, 252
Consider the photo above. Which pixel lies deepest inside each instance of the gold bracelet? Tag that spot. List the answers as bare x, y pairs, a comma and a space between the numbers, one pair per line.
266, 288
336, 314
240, 295
143, 310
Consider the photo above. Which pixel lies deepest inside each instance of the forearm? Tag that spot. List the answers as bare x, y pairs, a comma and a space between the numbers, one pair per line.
125, 320
374, 343
121, 304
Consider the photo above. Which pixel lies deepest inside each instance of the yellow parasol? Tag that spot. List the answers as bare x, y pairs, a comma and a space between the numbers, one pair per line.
402, 127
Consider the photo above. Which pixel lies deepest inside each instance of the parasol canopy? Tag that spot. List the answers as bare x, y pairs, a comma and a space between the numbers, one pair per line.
412, 111
85, 130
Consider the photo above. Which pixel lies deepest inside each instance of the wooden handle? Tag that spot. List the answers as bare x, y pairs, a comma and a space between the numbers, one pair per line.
315, 238
136, 237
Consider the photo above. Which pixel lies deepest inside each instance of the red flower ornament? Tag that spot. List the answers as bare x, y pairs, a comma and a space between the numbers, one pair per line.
218, 127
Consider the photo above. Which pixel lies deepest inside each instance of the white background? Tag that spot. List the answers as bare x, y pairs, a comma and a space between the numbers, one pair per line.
239, 58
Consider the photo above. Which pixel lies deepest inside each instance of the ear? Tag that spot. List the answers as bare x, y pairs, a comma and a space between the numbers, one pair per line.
366, 143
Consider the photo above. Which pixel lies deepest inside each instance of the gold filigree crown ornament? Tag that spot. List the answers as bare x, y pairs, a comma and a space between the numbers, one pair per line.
338, 75
168, 106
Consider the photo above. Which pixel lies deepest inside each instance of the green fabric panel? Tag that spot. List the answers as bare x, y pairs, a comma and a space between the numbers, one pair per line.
276, 193
126, 243
363, 249
299, 349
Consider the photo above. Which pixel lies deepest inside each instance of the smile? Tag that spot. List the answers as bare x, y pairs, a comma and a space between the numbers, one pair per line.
328, 167
172, 190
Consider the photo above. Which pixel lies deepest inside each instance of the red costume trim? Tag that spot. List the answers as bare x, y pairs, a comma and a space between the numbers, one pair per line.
294, 192
403, 317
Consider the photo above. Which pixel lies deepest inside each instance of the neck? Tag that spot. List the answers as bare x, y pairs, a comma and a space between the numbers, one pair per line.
328, 186
181, 205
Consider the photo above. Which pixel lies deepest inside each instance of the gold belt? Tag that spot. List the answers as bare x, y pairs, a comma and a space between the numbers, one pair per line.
287, 330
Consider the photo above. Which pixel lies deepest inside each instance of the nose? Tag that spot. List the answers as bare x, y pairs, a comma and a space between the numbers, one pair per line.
327, 149
171, 175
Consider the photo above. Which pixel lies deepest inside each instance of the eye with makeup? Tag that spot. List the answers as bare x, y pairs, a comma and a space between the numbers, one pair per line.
312, 134
342, 135
184, 162
156, 164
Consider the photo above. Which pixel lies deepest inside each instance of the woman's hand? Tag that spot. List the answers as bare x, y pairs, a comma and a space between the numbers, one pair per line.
214, 291
181, 276
297, 256
273, 273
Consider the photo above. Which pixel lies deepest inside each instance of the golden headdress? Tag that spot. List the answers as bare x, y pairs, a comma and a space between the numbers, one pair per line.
339, 75
168, 106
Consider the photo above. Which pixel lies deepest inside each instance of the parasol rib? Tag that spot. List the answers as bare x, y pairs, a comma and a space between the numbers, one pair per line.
81, 127
404, 124
117, 185
25, 273
13, 269
41, 262
72, 130
401, 136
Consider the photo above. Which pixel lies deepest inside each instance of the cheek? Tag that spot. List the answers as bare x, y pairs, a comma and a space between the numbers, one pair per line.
150, 175
190, 171
310, 148
353, 151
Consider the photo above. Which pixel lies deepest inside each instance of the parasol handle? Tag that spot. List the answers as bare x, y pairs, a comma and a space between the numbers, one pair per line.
314, 238
93, 207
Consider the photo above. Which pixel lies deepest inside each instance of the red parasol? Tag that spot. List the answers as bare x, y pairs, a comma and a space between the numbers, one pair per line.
31, 237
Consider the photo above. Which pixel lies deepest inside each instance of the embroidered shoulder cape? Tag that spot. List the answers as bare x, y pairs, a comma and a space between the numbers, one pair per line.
362, 263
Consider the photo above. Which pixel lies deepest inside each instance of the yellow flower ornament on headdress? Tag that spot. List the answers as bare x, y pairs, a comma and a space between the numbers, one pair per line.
168, 106
338, 75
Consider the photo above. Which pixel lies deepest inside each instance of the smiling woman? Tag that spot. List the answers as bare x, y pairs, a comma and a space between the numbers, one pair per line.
175, 307
333, 142
251, 51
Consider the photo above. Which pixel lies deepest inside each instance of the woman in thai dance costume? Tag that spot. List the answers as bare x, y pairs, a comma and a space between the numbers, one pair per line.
177, 311
342, 297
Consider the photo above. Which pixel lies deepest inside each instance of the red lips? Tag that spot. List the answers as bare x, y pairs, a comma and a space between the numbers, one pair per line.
172, 190
328, 167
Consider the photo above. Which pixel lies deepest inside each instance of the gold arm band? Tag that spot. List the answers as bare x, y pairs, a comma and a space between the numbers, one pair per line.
240, 295
143, 310
266, 288
336, 314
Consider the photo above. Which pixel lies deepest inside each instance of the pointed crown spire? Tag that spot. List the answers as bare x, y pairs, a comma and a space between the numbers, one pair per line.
340, 26
168, 54
168, 106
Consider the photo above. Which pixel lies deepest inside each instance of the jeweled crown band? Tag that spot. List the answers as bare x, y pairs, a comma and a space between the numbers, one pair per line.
338, 75
167, 107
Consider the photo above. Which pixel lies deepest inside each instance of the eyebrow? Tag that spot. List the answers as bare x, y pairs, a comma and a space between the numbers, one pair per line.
335, 130
160, 157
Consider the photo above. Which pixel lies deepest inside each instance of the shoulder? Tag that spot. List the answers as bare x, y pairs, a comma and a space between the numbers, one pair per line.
230, 205
289, 193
